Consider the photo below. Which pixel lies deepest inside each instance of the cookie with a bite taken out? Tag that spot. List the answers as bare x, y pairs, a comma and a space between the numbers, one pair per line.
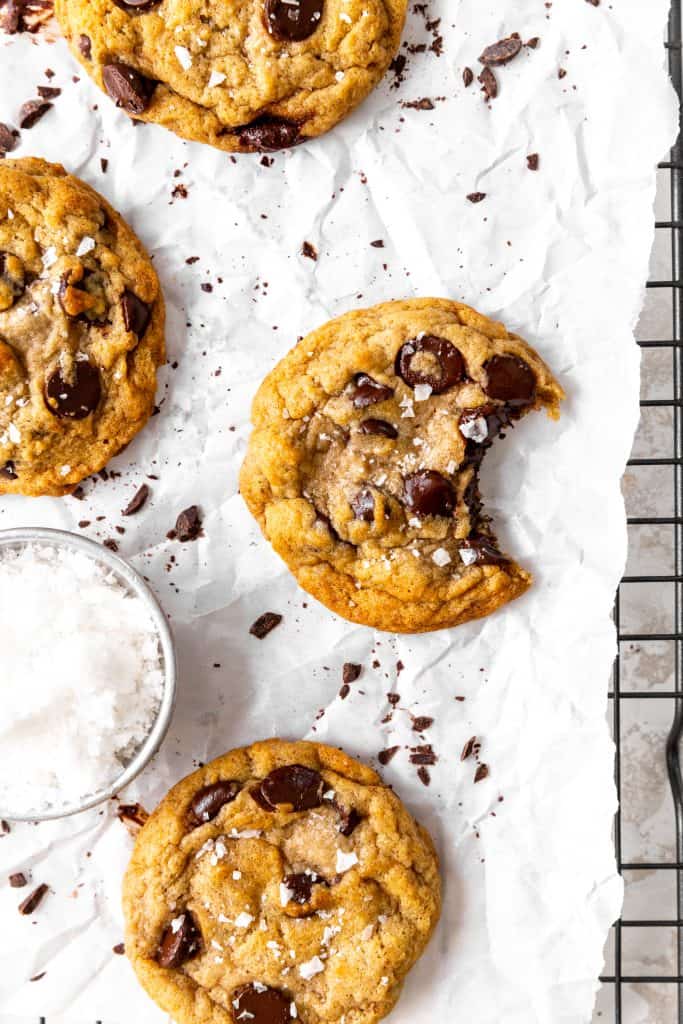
363, 466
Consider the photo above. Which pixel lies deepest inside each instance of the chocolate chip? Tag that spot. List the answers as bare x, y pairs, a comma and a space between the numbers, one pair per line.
8, 471
180, 942
85, 46
268, 133
378, 427
33, 900
265, 624
363, 505
427, 493
259, 1004
385, 756
422, 722
482, 772
349, 820
188, 525
365, 390
301, 886
294, 785
137, 501
501, 52
136, 313
207, 802
482, 551
468, 749
509, 379
489, 84
77, 398
130, 90
18, 880
293, 22
351, 672
468, 77
8, 138
31, 112
430, 360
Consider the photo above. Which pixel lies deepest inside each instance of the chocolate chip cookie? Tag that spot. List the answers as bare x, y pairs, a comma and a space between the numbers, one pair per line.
282, 881
363, 466
242, 75
81, 330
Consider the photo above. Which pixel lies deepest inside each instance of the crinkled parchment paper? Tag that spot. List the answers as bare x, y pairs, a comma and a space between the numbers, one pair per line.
561, 255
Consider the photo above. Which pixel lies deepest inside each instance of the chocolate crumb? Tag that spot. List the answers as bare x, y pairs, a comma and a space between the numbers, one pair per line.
533, 43
206, 286
137, 501
468, 749
8, 138
18, 880
387, 755
501, 52
467, 77
265, 624
33, 900
422, 722
481, 772
48, 92
532, 161
5, 827
309, 251
119, 949
351, 672
424, 776
423, 104
476, 197
561, 73
344, 691
394, 699
31, 112
423, 754
188, 525
133, 816
111, 544
489, 84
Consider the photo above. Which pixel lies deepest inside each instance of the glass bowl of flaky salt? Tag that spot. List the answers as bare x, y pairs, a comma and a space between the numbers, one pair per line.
87, 677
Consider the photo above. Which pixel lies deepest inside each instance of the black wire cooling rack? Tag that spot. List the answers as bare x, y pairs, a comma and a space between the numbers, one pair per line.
659, 996
614, 1005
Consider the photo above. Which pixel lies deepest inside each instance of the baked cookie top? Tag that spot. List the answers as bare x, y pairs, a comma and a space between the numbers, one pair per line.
281, 881
81, 330
242, 75
363, 466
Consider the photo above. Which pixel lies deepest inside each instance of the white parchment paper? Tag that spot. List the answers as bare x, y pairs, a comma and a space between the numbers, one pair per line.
561, 255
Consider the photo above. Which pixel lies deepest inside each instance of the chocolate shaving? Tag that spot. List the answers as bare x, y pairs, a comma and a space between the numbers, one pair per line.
33, 900
265, 624
385, 756
468, 749
482, 772
137, 501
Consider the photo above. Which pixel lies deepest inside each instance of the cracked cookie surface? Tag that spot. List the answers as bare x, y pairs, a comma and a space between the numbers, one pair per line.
242, 75
81, 330
280, 881
363, 466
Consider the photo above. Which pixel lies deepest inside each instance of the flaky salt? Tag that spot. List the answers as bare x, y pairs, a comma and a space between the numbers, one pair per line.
81, 677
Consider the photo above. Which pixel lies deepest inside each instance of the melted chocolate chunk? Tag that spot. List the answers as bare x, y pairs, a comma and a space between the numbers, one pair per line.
8, 471
180, 941
294, 784
130, 90
207, 802
509, 379
136, 313
482, 424
484, 549
293, 22
349, 820
259, 1004
427, 493
379, 427
301, 886
443, 367
268, 133
75, 399
12, 280
137, 6
363, 505
365, 390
